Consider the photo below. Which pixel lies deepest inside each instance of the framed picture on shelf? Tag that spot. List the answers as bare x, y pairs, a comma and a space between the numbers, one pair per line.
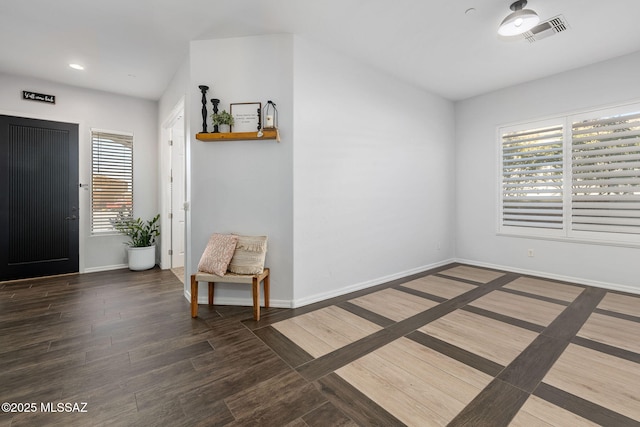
247, 116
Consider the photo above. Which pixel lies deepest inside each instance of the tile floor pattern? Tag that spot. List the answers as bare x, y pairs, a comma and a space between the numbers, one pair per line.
322, 331
525, 352
457, 345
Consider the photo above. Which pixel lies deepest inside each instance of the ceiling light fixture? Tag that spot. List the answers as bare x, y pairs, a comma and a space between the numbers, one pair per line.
519, 21
76, 66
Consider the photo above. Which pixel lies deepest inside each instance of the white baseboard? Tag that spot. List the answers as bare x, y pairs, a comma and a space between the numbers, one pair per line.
577, 280
363, 285
381, 280
246, 302
105, 268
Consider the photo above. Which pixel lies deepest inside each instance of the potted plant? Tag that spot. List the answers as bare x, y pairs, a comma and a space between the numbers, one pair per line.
142, 238
222, 118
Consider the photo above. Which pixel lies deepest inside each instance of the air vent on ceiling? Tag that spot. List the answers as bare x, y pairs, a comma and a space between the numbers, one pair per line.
547, 28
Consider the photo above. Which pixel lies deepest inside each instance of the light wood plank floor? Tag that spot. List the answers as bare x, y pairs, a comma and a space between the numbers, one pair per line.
457, 345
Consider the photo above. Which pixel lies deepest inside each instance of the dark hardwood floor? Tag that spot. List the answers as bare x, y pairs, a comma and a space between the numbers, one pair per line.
120, 348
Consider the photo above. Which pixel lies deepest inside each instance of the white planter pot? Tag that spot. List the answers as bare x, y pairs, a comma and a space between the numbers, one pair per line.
142, 258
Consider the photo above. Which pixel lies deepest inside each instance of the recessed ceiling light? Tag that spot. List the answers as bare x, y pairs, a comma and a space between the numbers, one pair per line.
470, 11
76, 66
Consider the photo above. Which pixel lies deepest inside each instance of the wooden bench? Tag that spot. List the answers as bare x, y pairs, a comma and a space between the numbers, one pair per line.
254, 280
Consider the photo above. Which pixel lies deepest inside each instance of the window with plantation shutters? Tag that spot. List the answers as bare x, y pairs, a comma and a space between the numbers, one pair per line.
605, 168
532, 177
574, 177
111, 179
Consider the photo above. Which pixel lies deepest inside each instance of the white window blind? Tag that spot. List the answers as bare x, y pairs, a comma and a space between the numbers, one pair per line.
111, 179
532, 177
573, 177
605, 157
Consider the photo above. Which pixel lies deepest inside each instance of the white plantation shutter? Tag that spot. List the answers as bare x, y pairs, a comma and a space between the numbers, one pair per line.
532, 177
605, 157
111, 178
574, 177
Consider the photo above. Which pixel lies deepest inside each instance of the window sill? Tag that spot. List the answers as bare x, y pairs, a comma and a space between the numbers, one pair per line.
576, 240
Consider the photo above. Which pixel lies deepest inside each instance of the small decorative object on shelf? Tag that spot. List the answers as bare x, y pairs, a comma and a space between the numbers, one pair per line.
271, 116
222, 118
247, 116
215, 103
204, 90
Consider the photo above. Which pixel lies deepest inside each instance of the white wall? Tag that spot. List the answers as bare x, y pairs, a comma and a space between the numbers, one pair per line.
243, 186
95, 109
373, 176
176, 90
607, 83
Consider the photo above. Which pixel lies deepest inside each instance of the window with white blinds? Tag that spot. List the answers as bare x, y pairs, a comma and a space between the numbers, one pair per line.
605, 161
532, 175
575, 177
111, 179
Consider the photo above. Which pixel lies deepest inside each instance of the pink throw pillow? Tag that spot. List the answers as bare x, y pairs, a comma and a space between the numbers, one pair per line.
218, 253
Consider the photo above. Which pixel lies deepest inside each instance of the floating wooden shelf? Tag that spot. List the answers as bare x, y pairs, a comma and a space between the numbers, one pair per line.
236, 136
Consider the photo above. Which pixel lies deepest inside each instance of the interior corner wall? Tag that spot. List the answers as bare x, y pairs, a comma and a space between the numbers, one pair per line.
373, 175
477, 189
243, 186
176, 90
102, 110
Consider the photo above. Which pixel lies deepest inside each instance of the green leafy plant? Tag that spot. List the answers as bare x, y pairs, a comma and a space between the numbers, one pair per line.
222, 118
141, 233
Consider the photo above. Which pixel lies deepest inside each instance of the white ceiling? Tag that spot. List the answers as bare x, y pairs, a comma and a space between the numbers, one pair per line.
134, 47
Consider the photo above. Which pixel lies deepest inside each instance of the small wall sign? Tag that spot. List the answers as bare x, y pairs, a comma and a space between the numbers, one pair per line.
41, 97
246, 116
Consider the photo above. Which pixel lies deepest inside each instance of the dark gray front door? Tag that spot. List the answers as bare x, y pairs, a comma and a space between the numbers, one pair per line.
38, 198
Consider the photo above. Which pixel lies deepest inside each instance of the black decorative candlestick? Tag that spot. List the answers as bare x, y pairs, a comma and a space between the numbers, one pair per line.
204, 90
215, 103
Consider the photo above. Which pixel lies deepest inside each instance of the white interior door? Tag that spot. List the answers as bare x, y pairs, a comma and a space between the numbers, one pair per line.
177, 193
